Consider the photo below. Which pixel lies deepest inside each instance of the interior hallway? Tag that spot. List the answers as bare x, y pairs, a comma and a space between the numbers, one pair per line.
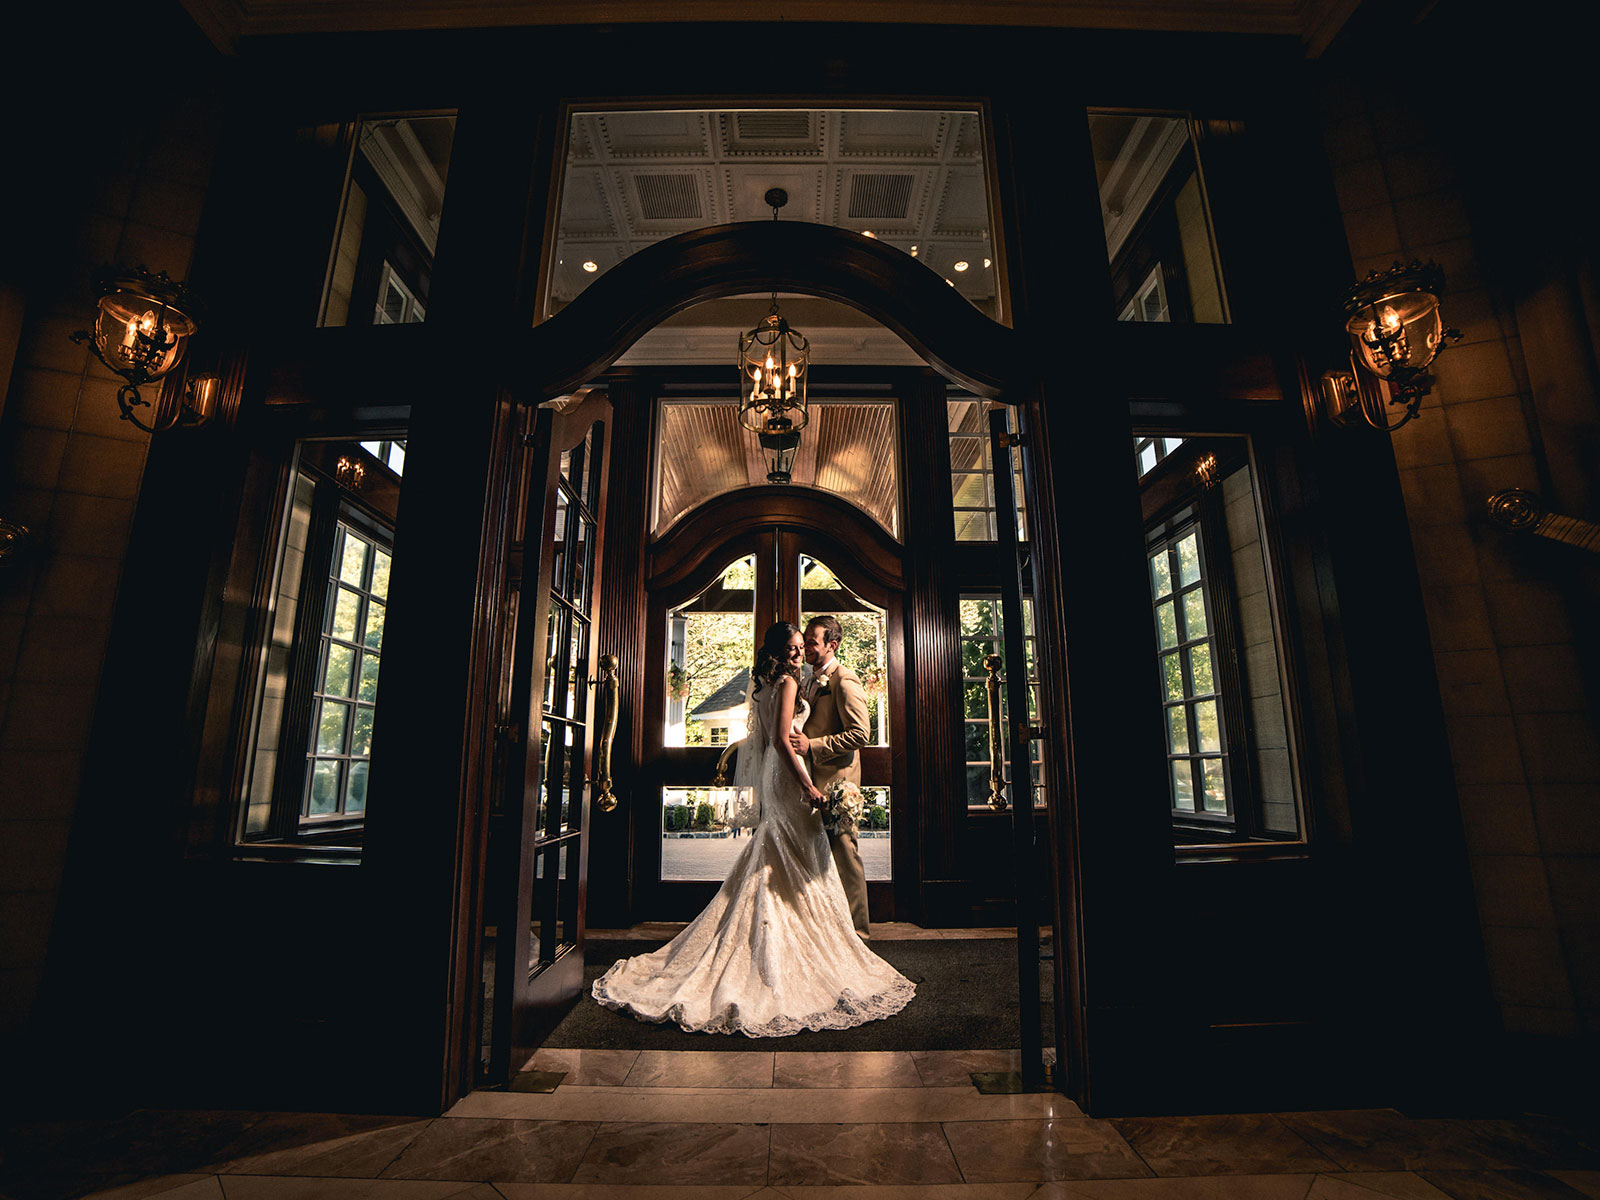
869, 1126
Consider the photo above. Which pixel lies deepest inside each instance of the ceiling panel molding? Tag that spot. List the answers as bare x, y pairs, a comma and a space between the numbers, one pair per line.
225, 22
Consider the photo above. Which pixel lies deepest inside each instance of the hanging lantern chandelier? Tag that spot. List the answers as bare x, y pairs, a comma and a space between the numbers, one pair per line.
773, 363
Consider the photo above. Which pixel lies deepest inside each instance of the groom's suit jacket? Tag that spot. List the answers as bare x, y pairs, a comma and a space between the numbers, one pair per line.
837, 729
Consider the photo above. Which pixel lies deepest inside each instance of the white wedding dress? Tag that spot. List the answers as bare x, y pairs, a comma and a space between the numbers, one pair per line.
775, 952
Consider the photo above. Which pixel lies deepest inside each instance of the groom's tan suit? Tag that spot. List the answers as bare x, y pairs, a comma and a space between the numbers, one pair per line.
837, 729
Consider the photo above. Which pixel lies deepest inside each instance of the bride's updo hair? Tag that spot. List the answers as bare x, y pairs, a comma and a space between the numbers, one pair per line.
770, 655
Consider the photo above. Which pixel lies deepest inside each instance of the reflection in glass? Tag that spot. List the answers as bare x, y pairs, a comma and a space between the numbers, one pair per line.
972, 472
982, 633
382, 258
1158, 232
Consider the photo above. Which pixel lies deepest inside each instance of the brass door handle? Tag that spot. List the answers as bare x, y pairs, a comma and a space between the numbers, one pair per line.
997, 769
720, 779
609, 695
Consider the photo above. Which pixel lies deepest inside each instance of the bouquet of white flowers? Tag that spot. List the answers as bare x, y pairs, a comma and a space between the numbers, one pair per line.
842, 807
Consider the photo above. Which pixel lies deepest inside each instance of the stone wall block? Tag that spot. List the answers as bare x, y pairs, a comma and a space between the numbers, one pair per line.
1543, 678
1488, 428
34, 458
1433, 495
1470, 683
1432, 217
1445, 556
1512, 890
1473, 372
43, 398
98, 466
1559, 747
92, 525
1458, 619
1485, 749
1568, 817
1527, 612
1361, 185
1498, 818
1526, 967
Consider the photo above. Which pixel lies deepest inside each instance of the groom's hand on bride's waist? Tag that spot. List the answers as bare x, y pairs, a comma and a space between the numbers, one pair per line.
800, 742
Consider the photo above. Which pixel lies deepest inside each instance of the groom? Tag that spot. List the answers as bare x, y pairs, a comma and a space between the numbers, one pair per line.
835, 729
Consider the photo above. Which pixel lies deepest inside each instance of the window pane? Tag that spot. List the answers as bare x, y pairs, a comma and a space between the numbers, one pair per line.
324, 789
864, 641
330, 727
710, 645
1160, 574
1171, 677
346, 615
353, 564
376, 611
336, 679
355, 793
1205, 721
1167, 625
977, 741
970, 491
383, 250
1216, 797
1182, 786
1194, 615
368, 688
361, 734
1200, 669
1177, 730
1188, 560
1157, 225
380, 575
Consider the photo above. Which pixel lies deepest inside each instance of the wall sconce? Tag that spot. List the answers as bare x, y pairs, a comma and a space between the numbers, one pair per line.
1395, 331
143, 327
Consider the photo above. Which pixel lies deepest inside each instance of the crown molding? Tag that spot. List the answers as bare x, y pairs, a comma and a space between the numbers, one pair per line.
226, 22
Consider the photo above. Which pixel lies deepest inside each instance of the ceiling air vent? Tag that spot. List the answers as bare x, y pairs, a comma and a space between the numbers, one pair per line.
880, 197
668, 198
777, 125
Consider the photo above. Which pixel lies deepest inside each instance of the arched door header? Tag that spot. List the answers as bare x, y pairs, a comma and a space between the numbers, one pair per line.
592, 332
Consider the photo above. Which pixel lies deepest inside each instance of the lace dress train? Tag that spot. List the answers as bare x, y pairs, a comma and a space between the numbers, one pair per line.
775, 952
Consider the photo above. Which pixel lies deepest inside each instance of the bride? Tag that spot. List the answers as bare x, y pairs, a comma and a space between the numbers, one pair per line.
775, 951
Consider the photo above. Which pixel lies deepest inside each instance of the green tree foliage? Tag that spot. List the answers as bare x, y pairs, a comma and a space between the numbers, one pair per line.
704, 814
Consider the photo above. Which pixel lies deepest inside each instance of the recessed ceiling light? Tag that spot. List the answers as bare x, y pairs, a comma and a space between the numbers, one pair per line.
986, 264
951, 282
913, 252
591, 266
962, 264
868, 233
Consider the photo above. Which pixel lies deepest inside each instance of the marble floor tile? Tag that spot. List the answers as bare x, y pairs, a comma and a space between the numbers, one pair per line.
1386, 1140
774, 1105
994, 1151
164, 1187
1501, 1185
144, 1142
1222, 1144
700, 1068
632, 1191
904, 1191
1371, 1185
954, 1068
525, 1151
274, 1187
585, 1068
320, 1144
861, 1152
1587, 1183
863, 1069
1214, 1187
640, 1152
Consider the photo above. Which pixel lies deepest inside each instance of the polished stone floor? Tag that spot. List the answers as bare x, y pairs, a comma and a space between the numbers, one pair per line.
654, 1125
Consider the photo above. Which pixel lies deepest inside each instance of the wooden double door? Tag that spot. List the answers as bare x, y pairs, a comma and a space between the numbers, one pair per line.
713, 587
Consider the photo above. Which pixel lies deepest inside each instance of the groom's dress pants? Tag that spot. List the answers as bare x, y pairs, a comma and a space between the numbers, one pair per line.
847, 856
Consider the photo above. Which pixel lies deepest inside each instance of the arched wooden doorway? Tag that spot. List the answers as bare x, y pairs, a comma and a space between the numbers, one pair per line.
579, 344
